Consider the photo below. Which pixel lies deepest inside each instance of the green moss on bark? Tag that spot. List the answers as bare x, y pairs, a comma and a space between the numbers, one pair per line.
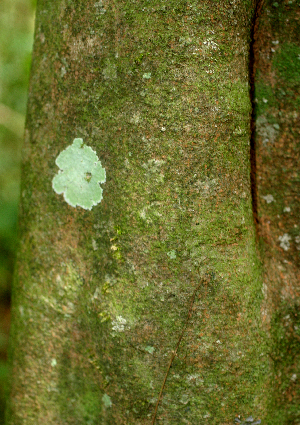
277, 128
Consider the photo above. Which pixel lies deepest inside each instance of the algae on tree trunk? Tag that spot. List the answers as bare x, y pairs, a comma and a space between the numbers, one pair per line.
146, 308
277, 95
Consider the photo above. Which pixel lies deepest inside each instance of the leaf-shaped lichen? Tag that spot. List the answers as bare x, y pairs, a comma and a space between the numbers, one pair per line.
79, 175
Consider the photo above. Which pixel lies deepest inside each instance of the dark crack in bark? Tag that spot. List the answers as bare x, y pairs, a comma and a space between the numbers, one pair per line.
253, 58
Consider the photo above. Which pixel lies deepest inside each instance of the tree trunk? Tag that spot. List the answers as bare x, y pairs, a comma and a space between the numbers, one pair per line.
277, 95
145, 308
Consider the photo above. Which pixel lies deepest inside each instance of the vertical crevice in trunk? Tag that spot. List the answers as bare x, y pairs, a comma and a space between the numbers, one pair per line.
252, 70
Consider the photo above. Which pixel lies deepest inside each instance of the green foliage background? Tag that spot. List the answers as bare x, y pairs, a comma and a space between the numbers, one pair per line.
16, 37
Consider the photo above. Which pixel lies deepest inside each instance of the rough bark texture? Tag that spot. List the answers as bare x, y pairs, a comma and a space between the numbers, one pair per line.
167, 261
277, 95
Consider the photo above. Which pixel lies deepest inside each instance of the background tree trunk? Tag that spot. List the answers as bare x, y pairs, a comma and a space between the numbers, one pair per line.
145, 309
277, 94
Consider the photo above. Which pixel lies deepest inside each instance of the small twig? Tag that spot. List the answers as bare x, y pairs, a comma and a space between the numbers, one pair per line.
175, 351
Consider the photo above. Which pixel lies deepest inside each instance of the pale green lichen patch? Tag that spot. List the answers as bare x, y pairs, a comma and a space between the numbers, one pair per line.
172, 254
149, 349
79, 176
110, 71
106, 400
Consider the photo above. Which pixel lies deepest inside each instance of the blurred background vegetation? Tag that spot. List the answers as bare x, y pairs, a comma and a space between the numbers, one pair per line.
16, 37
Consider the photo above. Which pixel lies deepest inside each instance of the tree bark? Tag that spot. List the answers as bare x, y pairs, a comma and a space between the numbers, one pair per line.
277, 94
146, 308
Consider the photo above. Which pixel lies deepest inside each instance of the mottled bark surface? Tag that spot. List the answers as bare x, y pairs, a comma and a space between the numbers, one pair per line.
278, 155
160, 90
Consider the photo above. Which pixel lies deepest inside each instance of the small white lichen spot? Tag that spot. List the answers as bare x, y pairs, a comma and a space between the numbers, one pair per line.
63, 71
99, 7
149, 349
110, 71
118, 325
94, 245
285, 241
184, 399
135, 118
268, 198
171, 254
106, 400
210, 44
79, 176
